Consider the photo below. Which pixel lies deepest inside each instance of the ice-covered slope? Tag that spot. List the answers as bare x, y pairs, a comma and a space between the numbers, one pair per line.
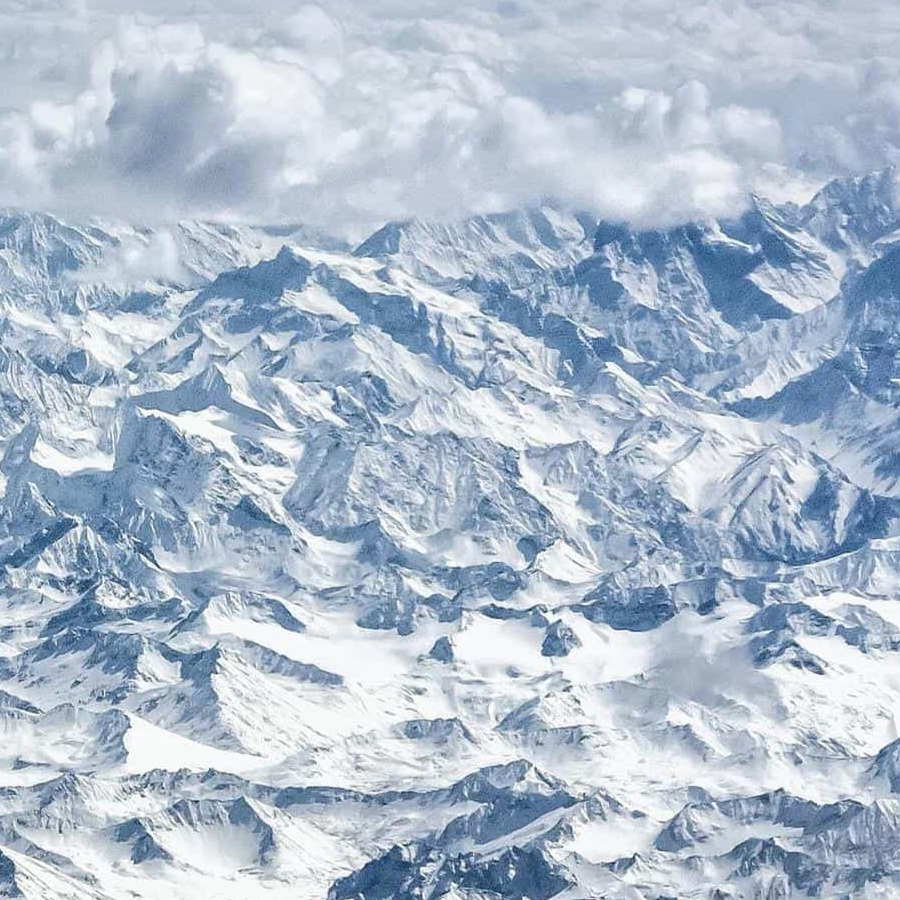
526, 556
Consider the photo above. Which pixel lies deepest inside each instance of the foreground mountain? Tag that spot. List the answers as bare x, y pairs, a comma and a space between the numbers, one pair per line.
528, 556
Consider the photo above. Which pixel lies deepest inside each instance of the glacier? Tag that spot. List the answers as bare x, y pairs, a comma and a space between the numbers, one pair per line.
525, 556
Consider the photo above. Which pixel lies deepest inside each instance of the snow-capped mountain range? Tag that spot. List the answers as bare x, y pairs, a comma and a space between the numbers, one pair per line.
524, 557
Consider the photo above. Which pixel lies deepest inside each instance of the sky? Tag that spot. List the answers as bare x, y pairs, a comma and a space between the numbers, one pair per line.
351, 113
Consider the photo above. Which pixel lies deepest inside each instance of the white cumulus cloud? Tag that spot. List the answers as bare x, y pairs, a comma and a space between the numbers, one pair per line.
347, 113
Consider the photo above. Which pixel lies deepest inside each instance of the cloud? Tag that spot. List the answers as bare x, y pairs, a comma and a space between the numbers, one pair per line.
348, 113
137, 260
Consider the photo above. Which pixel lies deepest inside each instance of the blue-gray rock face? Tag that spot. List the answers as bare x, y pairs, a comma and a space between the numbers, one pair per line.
559, 640
442, 650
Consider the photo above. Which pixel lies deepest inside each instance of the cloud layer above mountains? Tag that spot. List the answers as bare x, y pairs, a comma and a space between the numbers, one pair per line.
346, 114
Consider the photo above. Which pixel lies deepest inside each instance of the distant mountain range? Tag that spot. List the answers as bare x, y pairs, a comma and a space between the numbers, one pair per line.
527, 556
